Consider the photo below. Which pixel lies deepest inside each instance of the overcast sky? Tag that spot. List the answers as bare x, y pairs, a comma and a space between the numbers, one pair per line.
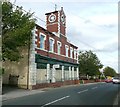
91, 24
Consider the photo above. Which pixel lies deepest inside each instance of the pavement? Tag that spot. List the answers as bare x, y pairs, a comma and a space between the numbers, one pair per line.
117, 99
12, 92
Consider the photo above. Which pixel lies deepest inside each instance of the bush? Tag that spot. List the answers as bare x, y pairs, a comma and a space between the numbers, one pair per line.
1, 71
102, 78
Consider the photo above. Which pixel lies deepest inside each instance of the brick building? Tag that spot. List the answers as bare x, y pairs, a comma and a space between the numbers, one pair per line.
51, 61
56, 59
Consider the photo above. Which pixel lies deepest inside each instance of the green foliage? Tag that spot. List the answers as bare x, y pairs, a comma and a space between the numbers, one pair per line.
89, 63
16, 31
102, 78
1, 71
108, 71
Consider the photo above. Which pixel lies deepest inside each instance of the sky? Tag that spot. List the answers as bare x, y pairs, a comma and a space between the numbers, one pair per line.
90, 24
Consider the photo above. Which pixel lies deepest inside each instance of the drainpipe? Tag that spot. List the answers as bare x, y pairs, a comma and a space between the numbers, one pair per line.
29, 60
28, 65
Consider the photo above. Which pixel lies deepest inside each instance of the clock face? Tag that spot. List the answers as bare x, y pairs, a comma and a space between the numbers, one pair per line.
52, 18
63, 19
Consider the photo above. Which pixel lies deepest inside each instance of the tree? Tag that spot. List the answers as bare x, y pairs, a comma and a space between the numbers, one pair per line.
89, 63
108, 71
16, 30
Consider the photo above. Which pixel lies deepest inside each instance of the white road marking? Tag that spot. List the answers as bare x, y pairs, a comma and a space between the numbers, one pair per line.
83, 91
55, 101
94, 87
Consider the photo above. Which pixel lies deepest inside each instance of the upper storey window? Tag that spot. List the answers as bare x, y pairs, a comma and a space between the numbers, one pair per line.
51, 44
58, 47
42, 40
75, 54
71, 52
66, 49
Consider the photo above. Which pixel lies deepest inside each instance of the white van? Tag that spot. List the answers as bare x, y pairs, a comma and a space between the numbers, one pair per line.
116, 80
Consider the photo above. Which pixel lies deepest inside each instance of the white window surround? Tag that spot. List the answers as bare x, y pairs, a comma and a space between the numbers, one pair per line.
75, 52
58, 47
71, 52
44, 39
59, 42
66, 50
55, 53
52, 44
43, 35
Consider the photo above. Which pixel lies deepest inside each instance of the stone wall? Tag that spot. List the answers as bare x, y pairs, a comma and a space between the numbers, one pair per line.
58, 75
41, 76
16, 73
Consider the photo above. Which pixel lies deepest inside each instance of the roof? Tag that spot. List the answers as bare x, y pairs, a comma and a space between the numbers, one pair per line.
51, 12
46, 31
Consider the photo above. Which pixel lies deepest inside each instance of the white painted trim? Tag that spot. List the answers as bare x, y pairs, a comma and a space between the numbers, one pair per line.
52, 44
43, 35
63, 35
58, 23
59, 42
50, 16
54, 53
52, 23
52, 39
66, 47
44, 38
75, 52
71, 52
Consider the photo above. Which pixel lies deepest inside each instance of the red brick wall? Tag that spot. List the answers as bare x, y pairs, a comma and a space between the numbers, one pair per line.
52, 55
64, 42
54, 25
53, 28
56, 13
62, 29
56, 84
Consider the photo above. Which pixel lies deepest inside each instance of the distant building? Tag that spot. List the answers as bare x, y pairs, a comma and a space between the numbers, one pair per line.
53, 60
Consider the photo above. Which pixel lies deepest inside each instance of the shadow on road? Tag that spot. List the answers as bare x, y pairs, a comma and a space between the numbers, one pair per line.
8, 88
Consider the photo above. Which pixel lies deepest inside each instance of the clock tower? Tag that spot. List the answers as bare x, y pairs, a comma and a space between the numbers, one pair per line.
56, 22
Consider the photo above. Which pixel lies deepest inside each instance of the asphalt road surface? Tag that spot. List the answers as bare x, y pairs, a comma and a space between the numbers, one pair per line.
95, 94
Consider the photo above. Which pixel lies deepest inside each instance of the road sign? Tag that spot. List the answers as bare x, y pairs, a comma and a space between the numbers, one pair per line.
56, 66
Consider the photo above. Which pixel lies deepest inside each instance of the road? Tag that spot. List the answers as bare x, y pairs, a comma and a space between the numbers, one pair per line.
95, 94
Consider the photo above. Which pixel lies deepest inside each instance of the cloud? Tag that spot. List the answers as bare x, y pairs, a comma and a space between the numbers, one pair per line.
106, 1
91, 24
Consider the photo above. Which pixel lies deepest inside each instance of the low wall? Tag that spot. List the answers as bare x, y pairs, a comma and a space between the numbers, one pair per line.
90, 81
56, 84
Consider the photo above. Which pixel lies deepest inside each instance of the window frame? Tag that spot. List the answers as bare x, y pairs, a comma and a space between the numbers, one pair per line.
59, 52
66, 51
42, 34
52, 45
71, 52
75, 53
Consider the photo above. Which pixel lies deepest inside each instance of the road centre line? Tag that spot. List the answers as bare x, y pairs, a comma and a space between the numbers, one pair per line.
83, 91
94, 87
55, 101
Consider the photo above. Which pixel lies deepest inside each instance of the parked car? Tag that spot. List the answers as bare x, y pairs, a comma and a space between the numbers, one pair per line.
108, 80
116, 80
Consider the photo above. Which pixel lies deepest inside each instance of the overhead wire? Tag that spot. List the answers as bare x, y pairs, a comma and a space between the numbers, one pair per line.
74, 15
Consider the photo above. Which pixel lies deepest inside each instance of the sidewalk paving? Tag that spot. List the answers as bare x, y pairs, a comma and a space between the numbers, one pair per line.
19, 93
117, 99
